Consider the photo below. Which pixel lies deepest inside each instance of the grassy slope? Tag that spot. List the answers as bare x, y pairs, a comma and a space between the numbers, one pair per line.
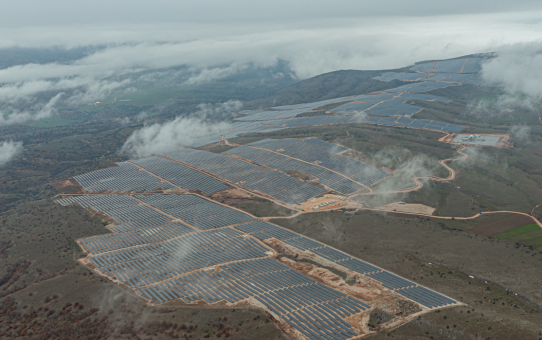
518, 231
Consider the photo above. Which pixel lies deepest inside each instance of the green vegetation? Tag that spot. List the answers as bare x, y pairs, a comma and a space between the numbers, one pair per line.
519, 231
50, 122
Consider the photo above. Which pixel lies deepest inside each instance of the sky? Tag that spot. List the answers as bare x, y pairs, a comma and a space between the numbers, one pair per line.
314, 36
214, 39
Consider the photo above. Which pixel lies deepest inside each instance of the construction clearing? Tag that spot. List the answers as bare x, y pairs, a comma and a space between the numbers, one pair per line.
487, 140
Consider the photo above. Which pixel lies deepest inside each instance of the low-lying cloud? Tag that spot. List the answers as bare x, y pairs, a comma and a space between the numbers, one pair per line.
518, 68
41, 111
161, 138
210, 119
8, 150
222, 111
207, 50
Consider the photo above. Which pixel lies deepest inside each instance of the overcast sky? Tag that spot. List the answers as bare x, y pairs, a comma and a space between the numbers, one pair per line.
215, 38
315, 36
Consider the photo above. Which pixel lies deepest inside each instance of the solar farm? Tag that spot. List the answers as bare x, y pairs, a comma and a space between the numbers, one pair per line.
187, 250
388, 108
173, 242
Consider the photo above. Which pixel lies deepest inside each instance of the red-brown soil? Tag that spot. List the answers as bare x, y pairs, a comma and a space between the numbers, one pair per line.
499, 223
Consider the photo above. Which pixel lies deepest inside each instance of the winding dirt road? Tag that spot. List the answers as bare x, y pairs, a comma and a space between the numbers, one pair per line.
418, 186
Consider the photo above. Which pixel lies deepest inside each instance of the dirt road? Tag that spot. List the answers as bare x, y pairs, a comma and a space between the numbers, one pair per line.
417, 179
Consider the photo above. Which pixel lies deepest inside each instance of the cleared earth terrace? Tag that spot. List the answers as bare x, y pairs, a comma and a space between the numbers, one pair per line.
325, 155
273, 183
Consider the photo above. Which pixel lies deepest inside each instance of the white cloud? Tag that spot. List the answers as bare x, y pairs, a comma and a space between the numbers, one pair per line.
219, 111
520, 133
161, 138
518, 67
206, 75
42, 111
8, 150
363, 37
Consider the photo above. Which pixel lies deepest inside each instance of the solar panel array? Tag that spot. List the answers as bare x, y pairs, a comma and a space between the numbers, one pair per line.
394, 107
448, 73
284, 163
472, 65
175, 261
426, 297
316, 150
423, 86
273, 183
449, 66
425, 67
386, 106
124, 210
391, 121
285, 292
264, 230
124, 177
422, 96
180, 175
462, 65
388, 76
195, 210
152, 263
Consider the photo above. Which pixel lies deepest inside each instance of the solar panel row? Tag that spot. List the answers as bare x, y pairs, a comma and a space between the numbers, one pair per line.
393, 121
180, 175
325, 154
286, 164
253, 177
462, 65
175, 261
124, 177
196, 211
388, 76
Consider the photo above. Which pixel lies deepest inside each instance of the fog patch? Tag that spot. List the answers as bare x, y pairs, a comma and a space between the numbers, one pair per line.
215, 73
520, 133
160, 138
41, 111
222, 111
401, 159
8, 150
517, 70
